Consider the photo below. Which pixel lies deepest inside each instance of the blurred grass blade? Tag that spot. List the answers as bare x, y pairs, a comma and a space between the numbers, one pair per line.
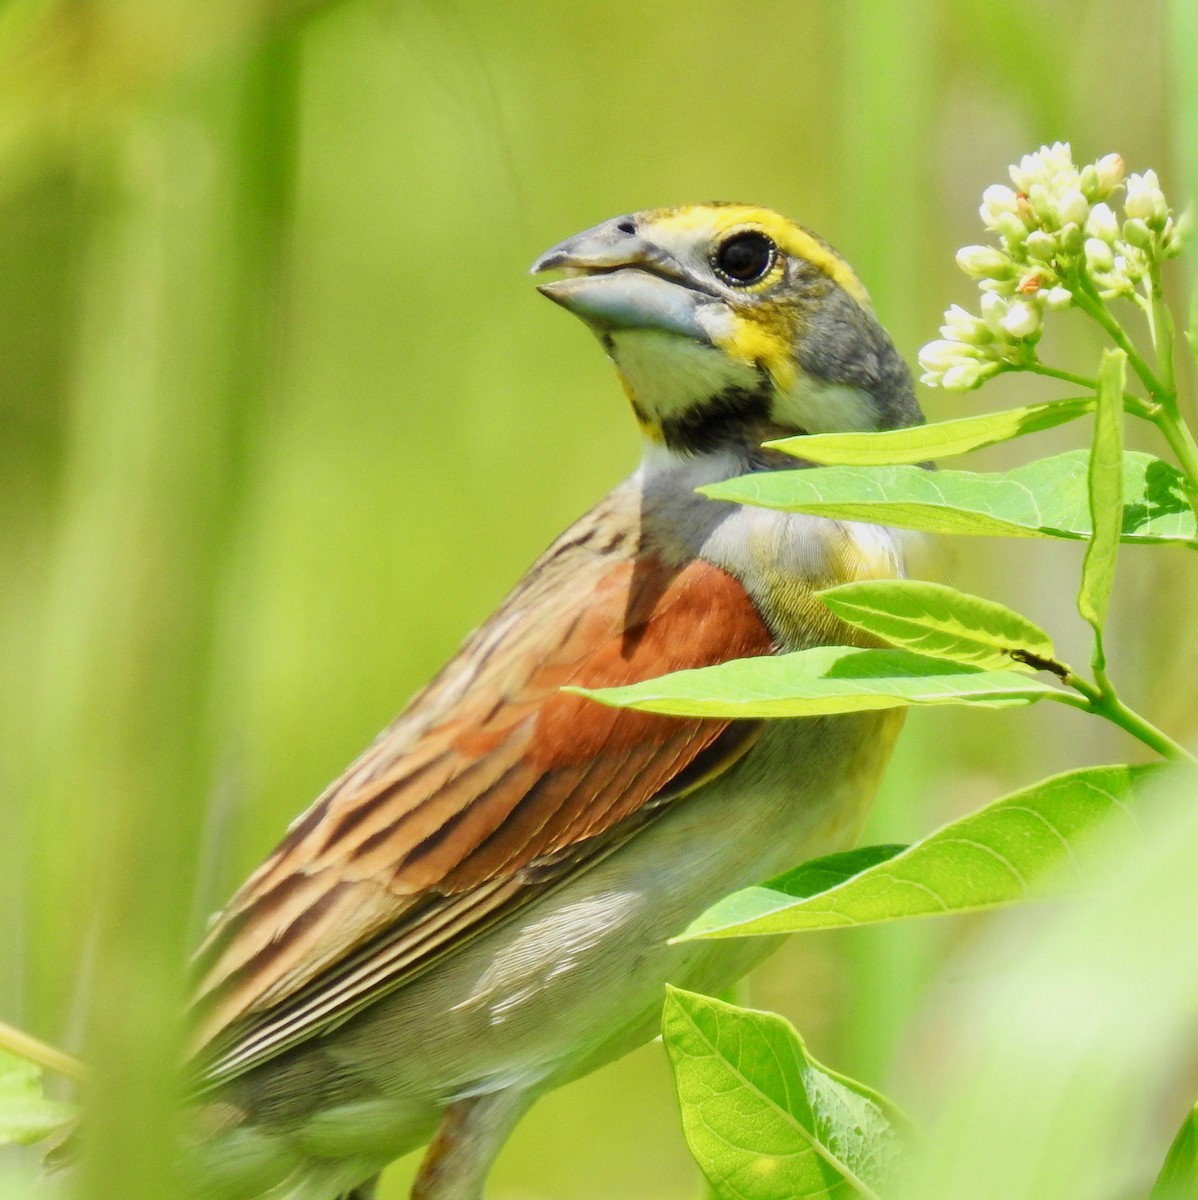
1178, 1179
944, 439
933, 619
1106, 492
1022, 847
826, 679
1045, 498
763, 1119
26, 1116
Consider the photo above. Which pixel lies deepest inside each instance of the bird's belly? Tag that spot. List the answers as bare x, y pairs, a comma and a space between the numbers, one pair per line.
577, 978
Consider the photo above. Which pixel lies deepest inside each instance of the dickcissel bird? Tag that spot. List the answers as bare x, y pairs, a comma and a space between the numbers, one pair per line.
479, 909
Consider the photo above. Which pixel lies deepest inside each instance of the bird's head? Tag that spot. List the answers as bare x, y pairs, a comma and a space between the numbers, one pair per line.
730, 324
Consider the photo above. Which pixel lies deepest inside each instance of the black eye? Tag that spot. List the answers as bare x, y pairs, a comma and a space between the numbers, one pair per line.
745, 257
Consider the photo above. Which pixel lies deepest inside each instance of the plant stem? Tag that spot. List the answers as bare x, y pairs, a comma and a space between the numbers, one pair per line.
1181, 441
1091, 303
25, 1045
1039, 368
1162, 331
1101, 700
1131, 404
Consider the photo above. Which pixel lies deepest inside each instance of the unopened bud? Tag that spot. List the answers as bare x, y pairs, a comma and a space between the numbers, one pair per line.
1071, 238
1041, 246
997, 200
1058, 298
963, 377
984, 262
1099, 255
1110, 170
1102, 223
1136, 233
1145, 201
1012, 227
940, 355
962, 326
1043, 204
1073, 206
1022, 320
994, 309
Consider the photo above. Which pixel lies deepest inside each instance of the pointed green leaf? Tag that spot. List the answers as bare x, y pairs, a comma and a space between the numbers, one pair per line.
943, 439
763, 1119
26, 1116
1045, 498
933, 619
1106, 492
826, 679
1178, 1179
1016, 849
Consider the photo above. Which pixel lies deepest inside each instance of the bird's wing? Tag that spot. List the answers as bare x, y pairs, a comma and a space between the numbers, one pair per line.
492, 787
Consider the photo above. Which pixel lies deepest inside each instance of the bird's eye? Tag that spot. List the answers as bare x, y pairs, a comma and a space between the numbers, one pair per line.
745, 257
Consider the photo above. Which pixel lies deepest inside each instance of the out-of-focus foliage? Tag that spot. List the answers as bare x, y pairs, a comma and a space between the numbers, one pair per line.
281, 420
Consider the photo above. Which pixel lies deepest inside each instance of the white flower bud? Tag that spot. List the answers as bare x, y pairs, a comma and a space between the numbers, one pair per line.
1073, 206
1145, 201
1102, 223
1012, 228
1022, 319
940, 356
1044, 204
962, 378
1041, 246
1110, 170
994, 309
1136, 233
962, 326
984, 262
1071, 238
1099, 255
1058, 298
996, 200
1176, 233
1050, 165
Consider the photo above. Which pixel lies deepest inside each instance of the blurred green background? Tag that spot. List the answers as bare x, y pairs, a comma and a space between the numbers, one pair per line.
281, 419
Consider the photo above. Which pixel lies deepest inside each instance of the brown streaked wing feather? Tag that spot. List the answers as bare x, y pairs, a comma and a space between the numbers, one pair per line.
490, 788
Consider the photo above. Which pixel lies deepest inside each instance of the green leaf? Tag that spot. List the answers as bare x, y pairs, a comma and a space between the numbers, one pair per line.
1013, 850
942, 440
1106, 492
938, 620
763, 1119
1178, 1179
825, 679
1045, 498
1063, 1024
26, 1116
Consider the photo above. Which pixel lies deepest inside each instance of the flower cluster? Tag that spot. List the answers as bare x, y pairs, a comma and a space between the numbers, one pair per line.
1057, 232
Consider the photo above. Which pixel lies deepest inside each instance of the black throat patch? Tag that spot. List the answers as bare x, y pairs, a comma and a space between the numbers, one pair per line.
735, 415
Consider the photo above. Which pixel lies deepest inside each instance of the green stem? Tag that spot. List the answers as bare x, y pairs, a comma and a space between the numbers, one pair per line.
25, 1045
1091, 303
1162, 331
1101, 700
1038, 368
1181, 441
1133, 405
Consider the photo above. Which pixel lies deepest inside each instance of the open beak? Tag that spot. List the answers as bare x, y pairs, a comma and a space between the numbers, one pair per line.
618, 279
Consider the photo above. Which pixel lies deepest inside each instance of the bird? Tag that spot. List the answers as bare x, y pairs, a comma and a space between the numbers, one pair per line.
479, 909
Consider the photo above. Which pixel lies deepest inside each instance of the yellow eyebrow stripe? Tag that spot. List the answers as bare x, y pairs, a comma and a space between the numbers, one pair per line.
799, 242
792, 239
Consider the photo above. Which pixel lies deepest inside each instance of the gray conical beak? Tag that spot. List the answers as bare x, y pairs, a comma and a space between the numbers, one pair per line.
618, 279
